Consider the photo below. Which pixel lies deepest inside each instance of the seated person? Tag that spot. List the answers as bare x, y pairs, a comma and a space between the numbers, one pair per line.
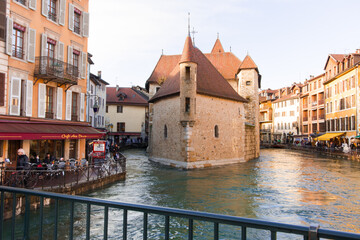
49, 159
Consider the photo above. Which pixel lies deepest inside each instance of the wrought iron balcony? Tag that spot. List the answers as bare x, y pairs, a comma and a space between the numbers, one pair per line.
54, 70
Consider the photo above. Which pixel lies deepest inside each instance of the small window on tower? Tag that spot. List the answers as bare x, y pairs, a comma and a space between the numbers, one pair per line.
187, 73
216, 131
248, 83
187, 104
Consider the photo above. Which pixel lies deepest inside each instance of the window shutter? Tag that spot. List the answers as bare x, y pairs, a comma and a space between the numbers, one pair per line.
29, 97
61, 51
68, 105
59, 101
83, 64
71, 17
44, 7
9, 36
82, 106
32, 4
85, 24
41, 99
2, 89
15, 96
62, 11
43, 45
70, 55
31, 45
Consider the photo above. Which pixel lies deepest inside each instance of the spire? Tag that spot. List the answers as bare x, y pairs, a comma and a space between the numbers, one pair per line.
248, 63
188, 24
188, 51
218, 48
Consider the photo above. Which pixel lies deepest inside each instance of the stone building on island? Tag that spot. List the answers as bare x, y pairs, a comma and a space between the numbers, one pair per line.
204, 109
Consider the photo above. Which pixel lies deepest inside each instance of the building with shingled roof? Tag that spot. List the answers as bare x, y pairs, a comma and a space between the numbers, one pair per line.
204, 108
126, 113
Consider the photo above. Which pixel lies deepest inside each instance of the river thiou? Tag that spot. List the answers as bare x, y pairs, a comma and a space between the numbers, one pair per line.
204, 113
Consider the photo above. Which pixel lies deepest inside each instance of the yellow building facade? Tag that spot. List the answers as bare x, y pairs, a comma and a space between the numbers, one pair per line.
340, 86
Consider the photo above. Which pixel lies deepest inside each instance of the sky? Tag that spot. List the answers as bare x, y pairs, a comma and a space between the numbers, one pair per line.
289, 40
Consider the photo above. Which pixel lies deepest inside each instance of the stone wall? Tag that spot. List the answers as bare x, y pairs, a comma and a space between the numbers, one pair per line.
251, 150
194, 145
228, 116
166, 112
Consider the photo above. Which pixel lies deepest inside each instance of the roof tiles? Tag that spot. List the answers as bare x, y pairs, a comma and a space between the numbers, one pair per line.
209, 79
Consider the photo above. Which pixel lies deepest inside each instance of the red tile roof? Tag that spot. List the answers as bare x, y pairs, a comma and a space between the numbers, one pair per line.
248, 63
218, 48
163, 68
132, 97
188, 53
209, 80
225, 62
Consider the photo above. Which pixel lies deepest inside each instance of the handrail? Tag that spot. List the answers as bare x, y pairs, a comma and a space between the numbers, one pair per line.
307, 232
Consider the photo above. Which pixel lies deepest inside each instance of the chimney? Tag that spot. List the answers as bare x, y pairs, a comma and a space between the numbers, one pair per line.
311, 76
357, 51
99, 74
117, 87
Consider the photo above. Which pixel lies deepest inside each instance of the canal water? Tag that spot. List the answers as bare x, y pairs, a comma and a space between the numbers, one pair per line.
282, 185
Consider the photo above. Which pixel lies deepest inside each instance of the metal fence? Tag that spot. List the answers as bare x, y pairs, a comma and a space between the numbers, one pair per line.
217, 220
58, 176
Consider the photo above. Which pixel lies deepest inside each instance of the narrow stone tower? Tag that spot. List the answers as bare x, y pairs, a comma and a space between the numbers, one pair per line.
249, 83
188, 78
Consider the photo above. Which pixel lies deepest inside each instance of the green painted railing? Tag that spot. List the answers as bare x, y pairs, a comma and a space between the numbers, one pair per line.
308, 233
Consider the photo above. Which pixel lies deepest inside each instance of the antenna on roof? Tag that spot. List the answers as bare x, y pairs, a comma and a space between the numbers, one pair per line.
189, 24
162, 51
217, 35
193, 33
230, 48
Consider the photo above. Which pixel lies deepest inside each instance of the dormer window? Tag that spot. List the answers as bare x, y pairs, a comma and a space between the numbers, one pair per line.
187, 73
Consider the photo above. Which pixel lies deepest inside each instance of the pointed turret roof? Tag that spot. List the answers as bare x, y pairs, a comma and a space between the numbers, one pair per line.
188, 51
209, 80
218, 48
248, 63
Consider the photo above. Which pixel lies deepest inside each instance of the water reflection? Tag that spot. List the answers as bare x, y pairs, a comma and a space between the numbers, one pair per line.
282, 186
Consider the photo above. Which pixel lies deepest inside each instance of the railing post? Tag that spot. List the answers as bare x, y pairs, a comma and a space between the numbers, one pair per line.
313, 232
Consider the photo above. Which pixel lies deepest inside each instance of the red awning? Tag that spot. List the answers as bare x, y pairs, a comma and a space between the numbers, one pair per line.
10, 130
124, 134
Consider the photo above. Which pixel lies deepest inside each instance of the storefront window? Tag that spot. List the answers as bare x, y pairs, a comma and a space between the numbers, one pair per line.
42, 147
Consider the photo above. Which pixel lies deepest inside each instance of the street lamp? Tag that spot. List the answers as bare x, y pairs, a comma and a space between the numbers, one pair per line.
96, 105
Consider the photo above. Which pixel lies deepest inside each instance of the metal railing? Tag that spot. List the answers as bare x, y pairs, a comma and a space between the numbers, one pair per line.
56, 70
57, 176
218, 221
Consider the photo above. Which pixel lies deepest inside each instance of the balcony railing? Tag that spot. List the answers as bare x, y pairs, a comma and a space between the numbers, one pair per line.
314, 104
314, 118
55, 70
74, 118
49, 115
305, 119
165, 223
322, 116
321, 102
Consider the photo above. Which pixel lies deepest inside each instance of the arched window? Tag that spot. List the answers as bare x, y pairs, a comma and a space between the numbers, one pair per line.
165, 131
216, 131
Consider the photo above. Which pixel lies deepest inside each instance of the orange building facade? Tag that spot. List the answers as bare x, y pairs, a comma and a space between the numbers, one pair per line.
341, 83
45, 83
313, 107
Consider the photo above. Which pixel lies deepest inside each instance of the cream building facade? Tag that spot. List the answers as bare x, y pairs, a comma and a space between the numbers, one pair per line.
126, 110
